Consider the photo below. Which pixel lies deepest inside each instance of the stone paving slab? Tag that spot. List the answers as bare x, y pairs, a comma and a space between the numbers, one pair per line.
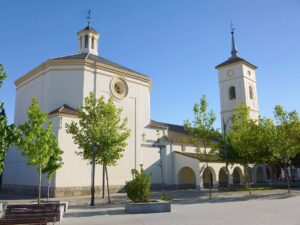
192, 207
269, 210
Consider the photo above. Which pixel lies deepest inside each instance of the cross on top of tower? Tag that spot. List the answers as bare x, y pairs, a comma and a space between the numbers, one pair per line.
89, 17
232, 27
234, 52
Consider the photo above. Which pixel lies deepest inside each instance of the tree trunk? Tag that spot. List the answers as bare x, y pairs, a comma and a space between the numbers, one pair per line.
272, 174
287, 179
210, 178
161, 170
40, 185
93, 183
108, 192
103, 181
48, 192
248, 180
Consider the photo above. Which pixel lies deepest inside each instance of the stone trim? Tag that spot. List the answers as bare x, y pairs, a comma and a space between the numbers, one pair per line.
55, 192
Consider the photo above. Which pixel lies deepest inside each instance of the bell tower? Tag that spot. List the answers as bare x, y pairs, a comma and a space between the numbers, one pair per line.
88, 38
237, 83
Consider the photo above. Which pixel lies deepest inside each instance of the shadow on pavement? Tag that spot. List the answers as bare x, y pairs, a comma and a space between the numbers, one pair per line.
231, 199
95, 213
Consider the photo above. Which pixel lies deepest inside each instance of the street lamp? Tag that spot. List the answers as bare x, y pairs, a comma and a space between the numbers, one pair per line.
94, 150
225, 143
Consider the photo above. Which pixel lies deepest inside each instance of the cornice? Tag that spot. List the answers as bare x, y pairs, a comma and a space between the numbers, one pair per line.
236, 63
82, 62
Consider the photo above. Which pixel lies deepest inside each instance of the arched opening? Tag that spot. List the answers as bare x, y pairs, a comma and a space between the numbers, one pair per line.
86, 41
232, 94
268, 172
93, 42
237, 175
260, 176
209, 177
223, 178
251, 92
186, 178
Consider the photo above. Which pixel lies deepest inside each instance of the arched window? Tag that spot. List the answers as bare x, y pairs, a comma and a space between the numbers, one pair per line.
251, 92
93, 42
86, 41
232, 94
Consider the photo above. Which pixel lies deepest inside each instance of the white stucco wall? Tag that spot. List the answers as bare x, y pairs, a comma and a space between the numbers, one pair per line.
58, 85
241, 78
17, 172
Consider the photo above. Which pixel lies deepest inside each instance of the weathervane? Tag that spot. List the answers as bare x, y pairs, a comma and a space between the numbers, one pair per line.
234, 52
89, 17
232, 27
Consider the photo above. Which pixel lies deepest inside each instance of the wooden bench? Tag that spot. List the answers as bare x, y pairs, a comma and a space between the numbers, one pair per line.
23, 221
24, 213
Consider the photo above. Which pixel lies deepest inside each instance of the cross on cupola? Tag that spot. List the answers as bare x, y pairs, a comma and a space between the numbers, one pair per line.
89, 18
88, 38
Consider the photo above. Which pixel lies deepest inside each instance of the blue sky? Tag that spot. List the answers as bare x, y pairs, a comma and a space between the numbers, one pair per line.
177, 43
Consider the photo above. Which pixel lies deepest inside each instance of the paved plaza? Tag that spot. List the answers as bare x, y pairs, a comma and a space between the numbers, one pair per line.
193, 207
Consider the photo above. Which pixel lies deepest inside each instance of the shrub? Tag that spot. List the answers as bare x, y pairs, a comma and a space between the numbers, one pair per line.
138, 189
164, 196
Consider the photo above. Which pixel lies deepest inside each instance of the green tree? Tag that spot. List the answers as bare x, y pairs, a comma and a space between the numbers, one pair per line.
201, 131
2, 75
8, 133
242, 139
54, 163
37, 140
287, 142
100, 122
266, 139
138, 189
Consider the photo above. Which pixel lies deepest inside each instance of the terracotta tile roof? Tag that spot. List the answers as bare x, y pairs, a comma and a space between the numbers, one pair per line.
98, 59
201, 157
64, 109
234, 60
158, 125
175, 132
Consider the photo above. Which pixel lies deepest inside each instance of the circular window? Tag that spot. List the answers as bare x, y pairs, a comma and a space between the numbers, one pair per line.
119, 88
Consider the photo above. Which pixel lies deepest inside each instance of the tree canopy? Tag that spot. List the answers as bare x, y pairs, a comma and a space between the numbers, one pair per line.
37, 142
100, 123
8, 133
201, 132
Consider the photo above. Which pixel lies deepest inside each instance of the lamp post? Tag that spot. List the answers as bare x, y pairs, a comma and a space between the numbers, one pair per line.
225, 123
94, 150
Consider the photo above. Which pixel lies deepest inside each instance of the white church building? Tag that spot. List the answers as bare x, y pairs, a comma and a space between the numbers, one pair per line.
61, 84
